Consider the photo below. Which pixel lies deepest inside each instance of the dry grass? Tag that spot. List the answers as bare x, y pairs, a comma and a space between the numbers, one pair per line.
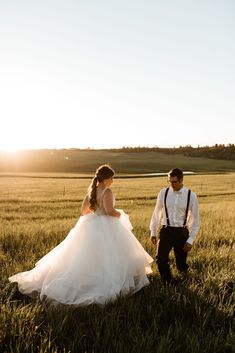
196, 316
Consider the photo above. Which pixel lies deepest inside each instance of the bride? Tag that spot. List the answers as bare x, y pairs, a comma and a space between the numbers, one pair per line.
98, 260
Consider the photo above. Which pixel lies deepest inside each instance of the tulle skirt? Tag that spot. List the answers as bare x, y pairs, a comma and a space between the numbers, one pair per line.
98, 260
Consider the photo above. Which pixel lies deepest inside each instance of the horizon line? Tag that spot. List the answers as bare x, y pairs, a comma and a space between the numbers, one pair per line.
12, 151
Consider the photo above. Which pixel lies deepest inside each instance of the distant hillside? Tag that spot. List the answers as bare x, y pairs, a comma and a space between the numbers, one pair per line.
123, 161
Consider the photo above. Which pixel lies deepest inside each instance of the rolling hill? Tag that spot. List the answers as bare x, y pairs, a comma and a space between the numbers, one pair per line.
86, 161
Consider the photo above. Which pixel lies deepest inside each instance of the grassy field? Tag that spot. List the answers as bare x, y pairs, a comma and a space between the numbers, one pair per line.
196, 316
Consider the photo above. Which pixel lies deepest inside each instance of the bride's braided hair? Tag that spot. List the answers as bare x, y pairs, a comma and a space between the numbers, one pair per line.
103, 172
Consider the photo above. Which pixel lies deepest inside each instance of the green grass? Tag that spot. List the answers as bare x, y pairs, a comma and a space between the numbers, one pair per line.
196, 316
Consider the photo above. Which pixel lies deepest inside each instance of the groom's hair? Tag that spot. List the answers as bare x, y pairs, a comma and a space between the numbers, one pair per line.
176, 172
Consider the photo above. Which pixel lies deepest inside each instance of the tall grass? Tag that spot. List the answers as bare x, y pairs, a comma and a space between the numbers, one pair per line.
195, 316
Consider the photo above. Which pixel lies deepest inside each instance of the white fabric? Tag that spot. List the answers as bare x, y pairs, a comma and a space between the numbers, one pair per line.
176, 203
99, 259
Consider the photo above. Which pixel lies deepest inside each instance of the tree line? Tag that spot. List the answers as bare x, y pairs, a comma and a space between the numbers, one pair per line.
218, 151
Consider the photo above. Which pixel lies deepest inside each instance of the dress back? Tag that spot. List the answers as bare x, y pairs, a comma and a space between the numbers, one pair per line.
100, 210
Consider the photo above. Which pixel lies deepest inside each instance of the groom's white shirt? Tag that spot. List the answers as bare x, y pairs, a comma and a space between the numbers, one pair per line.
176, 203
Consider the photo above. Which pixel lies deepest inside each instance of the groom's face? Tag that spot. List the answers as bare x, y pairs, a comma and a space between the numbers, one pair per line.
175, 183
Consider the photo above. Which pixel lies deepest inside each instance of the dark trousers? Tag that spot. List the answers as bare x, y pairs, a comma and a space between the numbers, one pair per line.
171, 237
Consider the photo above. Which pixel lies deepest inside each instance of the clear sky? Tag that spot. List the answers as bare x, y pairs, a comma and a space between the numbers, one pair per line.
113, 73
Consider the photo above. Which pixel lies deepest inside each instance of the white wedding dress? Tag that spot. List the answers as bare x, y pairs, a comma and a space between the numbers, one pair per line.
99, 259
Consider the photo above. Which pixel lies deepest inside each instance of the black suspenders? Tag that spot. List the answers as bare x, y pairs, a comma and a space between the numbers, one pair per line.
186, 211
167, 217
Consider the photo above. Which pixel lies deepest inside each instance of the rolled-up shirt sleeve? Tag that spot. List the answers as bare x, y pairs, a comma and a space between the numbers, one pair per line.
193, 219
157, 214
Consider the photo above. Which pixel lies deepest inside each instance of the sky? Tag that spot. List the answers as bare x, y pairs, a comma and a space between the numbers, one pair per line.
114, 73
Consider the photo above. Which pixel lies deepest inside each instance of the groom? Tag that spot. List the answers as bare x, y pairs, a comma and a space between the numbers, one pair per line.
177, 215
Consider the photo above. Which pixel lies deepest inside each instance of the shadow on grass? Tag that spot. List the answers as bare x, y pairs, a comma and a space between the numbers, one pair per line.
157, 319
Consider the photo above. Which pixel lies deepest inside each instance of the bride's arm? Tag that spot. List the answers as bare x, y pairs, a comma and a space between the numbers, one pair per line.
108, 204
85, 209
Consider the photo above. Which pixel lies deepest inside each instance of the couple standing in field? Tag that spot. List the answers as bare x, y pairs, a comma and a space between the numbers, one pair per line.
101, 258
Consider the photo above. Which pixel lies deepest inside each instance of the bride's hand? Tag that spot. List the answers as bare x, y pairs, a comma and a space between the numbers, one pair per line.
154, 240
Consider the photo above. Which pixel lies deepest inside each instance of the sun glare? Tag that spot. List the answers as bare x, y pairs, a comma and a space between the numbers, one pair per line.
13, 148
10, 152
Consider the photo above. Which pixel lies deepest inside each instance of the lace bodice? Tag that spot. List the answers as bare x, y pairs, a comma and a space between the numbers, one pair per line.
100, 209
